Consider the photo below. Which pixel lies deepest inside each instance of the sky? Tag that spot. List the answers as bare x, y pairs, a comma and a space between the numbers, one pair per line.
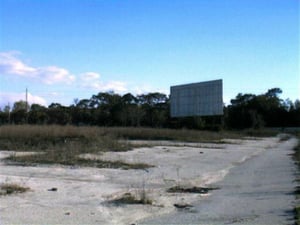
61, 50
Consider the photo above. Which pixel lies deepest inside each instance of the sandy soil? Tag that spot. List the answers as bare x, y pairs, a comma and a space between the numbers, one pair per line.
73, 195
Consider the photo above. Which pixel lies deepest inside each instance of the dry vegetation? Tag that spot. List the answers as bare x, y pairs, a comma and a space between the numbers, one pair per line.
63, 144
196, 190
18, 137
12, 188
130, 199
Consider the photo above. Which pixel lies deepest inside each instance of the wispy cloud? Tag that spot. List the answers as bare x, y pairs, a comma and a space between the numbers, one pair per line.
145, 88
92, 80
54, 78
12, 97
10, 64
116, 86
54, 74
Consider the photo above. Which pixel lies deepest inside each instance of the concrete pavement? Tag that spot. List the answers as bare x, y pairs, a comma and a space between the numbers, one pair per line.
258, 191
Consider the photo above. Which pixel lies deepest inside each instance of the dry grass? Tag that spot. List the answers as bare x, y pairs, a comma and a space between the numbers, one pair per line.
171, 134
71, 159
94, 139
12, 188
37, 138
195, 190
130, 199
64, 144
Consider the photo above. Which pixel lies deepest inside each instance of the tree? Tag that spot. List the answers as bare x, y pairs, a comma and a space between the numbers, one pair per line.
19, 105
273, 93
81, 112
5, 115
58, 114
257, 110
155, 108
129, 111
19, 112
37, 114
242, 99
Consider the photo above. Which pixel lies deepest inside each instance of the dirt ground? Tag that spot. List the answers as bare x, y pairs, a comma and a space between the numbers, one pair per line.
74, 195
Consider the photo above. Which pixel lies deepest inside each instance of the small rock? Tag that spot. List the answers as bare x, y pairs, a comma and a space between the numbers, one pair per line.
52, 189
183, 206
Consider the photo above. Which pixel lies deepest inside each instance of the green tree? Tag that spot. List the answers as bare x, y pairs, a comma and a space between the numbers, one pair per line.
19, 105
58, 114
19, 112
38, 114
5, 115
249, 110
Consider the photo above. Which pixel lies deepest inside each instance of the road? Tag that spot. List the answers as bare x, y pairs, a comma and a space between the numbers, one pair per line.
257, 191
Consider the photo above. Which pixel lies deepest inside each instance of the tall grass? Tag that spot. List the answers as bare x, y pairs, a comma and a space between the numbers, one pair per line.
37, 138
142, 133
90, 139
61, 145
64, 144
32, 137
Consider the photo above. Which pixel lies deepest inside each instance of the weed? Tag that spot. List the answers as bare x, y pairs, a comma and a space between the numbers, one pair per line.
284, 137
197, 190
37, 138
128, 198
171, 134
264, 132
69, 159
64, 144
95, 139
12, 188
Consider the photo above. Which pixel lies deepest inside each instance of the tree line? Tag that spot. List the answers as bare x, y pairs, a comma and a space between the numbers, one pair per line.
153, 110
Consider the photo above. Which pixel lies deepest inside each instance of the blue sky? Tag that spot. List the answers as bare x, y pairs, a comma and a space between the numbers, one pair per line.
66, 49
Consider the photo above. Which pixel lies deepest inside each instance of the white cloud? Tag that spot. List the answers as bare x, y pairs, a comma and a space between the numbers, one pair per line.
10, 64
91, 80
11, 98
53, 74
144, 89
116, 86
36, 99
90, 76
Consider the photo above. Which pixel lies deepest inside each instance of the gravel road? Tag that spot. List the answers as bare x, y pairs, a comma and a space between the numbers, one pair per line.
257, 191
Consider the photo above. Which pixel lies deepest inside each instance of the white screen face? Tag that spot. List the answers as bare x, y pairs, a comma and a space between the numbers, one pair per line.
197, 99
